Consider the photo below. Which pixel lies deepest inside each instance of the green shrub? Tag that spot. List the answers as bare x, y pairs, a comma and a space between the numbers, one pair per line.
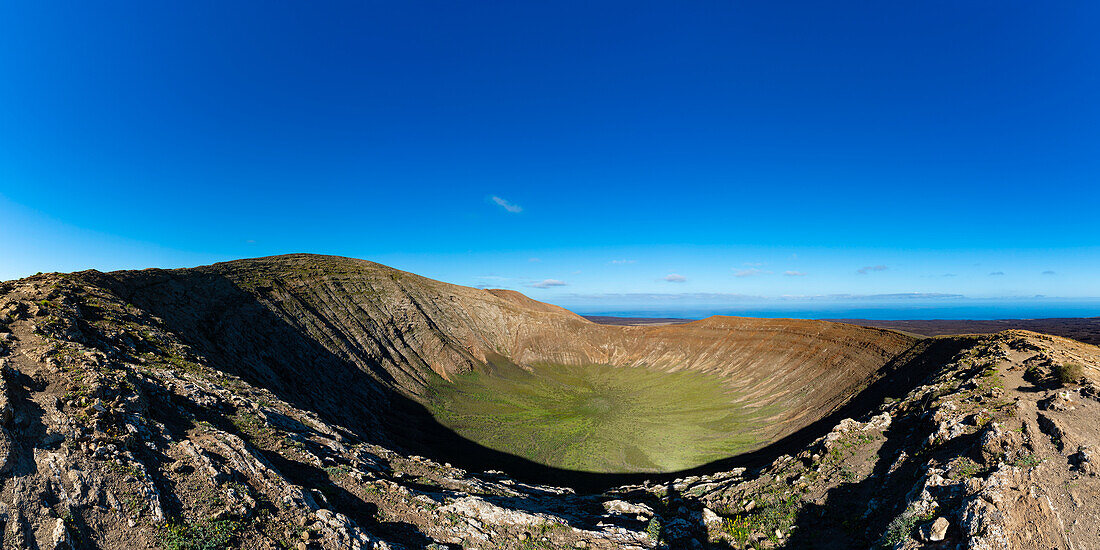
1027, 461
1067, 373
654, 529
902, 526
213, 535
739, 527
963, 468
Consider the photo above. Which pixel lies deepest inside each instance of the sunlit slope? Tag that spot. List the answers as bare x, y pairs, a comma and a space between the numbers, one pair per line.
349, 335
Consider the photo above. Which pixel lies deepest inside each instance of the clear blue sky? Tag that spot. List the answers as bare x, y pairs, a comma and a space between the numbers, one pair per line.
640, 149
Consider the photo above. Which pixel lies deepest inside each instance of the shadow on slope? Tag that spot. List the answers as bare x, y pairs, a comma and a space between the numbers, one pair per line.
839, 521
239, 335
895, 380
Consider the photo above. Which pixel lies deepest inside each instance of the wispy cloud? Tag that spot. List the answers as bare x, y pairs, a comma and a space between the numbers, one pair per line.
1049, 272
895, 296
675, 278
633, 297
620, 262
547, 283
717, 298
750, 272
491, 281
996, 273
867, 269
513, 208
534, 260
948, 275
794, 274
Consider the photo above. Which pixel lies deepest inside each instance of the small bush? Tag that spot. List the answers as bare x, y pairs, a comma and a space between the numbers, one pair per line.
739, 527
654, 529
901, 528
1027, 461
214, 535
1068, 373
963, 468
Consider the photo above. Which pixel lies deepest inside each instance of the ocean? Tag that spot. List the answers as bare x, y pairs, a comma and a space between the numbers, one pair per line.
978, 310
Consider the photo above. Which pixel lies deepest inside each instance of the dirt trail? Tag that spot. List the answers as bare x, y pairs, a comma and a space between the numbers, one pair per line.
1055, 499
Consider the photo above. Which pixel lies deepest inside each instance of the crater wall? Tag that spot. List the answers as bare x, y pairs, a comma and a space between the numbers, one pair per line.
363, 343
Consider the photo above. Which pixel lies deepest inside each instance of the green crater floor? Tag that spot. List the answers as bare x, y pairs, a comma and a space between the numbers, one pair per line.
598, 418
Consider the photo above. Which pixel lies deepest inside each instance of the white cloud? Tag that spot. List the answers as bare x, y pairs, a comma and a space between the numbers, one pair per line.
996, 273
491, 281
513, 208
711, 298
675, 278
547, 283
534, 260
619, 262
867, 269
895, 296
750, 272
794, 273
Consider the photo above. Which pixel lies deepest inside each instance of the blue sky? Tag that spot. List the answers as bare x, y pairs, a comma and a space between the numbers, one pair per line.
629, 151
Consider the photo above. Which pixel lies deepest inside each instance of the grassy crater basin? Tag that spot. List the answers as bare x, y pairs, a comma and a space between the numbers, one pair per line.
598, 418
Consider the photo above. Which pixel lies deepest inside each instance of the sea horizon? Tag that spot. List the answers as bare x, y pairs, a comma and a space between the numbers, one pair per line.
983, 311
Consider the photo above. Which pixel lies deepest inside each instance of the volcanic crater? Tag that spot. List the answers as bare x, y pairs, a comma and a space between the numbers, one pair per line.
322, 402
493, 379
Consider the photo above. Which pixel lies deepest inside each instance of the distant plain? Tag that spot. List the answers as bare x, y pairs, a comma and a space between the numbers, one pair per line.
1082, 329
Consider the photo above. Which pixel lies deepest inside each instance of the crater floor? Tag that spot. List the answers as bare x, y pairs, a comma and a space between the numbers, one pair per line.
599, 418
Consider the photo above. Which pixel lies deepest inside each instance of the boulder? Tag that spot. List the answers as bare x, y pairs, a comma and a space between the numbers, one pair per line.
938, 529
